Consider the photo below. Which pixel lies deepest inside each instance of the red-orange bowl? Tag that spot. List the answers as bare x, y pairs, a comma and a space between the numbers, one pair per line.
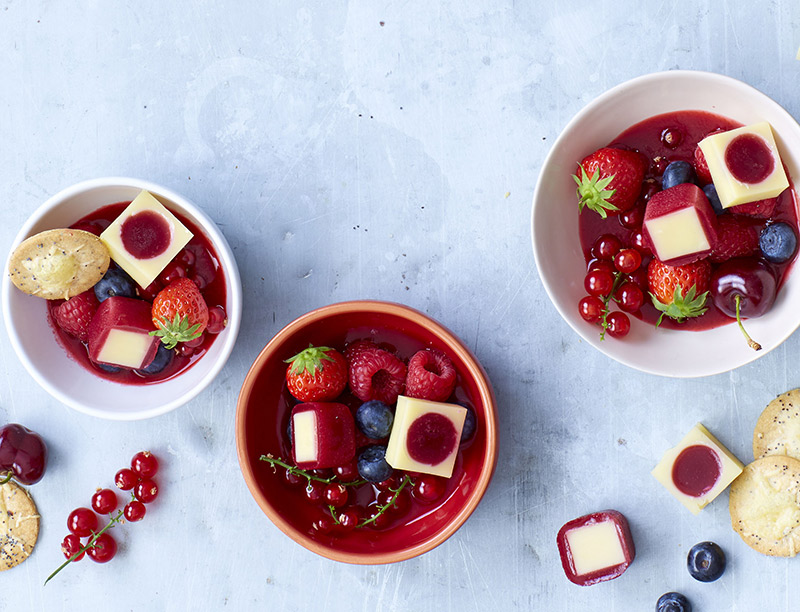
262, 415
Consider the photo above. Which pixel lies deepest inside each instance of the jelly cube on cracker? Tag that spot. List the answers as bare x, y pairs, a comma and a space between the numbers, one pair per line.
145, 238
425, 436
119, 333
745, 164
323, 435
698, 469
680, 224
595, 547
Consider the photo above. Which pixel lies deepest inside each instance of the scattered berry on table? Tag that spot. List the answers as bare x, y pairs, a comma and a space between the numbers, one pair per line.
713, 198
126, 479
377, 374
736, 237
610, 180
676, 173
179, 313
146, 491
104, 549
679, 292
431, 376
134, 511
706, 562
162, 359
82, 522
374, 419
316, 374
104, 501
145, 464
74, 315
372, 465
115, 282
778, 242
673, 602
71, 545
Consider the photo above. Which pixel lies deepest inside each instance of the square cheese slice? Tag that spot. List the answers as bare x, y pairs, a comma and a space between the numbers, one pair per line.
425, 436
698, 469
745, 165
145, 238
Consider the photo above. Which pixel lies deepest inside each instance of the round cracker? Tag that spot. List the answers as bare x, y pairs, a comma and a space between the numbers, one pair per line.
58, 263
777, 431
765, 505
19, 525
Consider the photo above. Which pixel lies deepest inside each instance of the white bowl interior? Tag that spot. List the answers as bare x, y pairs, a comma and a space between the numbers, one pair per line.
35, 341
556, 244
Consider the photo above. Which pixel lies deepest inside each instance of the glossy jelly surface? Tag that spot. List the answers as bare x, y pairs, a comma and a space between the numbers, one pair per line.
696, 470
431, 438
146, 234
749, 159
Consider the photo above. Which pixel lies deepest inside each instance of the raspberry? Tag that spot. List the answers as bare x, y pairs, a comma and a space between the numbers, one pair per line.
376, 374
354, 348
74, 315
431, 376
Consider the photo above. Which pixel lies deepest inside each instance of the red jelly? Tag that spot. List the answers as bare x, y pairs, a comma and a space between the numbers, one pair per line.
696, 470
749, 159
431, 438
323, 435
146, 234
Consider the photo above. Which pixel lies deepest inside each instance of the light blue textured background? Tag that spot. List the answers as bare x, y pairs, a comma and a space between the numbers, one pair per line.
376, 150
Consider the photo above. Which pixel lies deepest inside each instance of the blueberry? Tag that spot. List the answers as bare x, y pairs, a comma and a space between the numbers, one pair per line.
374, 419
673, 602
676, 173
108, 368
372, 465
706, 562
778, 242
711, 194
469, 424
115, 282
162, 359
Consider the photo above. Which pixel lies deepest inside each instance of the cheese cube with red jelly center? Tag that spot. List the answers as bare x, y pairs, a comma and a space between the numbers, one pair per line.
323, 435
680, 225
425, 436
119, 333
145, 238
595, 547
745, 164
698, 469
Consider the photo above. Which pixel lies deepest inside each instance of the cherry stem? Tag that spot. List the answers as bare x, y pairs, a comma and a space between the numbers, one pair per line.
389, 504
8, 478
293, 469
89, 544
750, 342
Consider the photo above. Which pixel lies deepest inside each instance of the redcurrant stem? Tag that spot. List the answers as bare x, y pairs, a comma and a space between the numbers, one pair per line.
389, 504
89, 544
606, 300
8, 477
293, 469
750, 342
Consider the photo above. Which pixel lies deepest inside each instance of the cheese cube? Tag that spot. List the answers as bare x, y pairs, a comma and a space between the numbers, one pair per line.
119, 333
745, 164
425, 436
680, 225
595, 547
698, 469
323, 435
145, 238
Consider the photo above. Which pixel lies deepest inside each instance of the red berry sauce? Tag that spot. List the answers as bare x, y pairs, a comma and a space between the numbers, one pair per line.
696, 470
204, 268
145, 235
686, 129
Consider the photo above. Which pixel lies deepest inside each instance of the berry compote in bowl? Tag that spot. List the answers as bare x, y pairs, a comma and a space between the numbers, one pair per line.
660, 121
351, 512
61, 360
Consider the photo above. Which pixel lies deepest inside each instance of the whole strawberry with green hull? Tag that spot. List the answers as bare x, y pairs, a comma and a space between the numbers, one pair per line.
610, 180
180, 313
679, 292
316, 374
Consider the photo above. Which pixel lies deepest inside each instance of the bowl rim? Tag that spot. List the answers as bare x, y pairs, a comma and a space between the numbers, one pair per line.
588, 108
224, 253
474, 369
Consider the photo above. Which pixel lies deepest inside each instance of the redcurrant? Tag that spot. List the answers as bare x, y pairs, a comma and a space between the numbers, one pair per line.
348, 519
347, 473
606, 246
598, 283
104, 501
134, 511
618, 324
145, 464
82, 522
671, 138
591, 308
628, 260
315, 491
639, 242
126, 479
639, 277
429, 488
217, 320
381, 520
632, 218
146, 491
335, 495
324, 524
103, 549
71, 545
293, 479
629, 297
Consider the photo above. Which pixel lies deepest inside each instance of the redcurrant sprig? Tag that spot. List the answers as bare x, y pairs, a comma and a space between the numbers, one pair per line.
293, 469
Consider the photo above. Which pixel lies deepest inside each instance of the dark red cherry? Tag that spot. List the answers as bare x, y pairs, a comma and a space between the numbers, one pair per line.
23, 454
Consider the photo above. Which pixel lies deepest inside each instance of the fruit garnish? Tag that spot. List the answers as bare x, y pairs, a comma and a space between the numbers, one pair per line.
679, 292
377, 374
316, 374
179, 312
610, 180
102, 556
706, 562
431, 375
23, 455
390, 503
74, 315
309, 476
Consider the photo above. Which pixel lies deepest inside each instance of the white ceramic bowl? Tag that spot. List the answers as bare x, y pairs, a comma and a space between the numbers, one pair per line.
554, 220
35, 343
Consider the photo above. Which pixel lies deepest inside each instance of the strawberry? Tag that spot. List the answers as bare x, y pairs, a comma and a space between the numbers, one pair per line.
431, 376
377, 374
179, 312
679, 292
762, 209
701, 166
74, 315
736, 237
610, 180
316, 374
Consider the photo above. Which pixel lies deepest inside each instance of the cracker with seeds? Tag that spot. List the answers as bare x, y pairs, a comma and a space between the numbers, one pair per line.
777, 431
19, 525
765, 505
58, 263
